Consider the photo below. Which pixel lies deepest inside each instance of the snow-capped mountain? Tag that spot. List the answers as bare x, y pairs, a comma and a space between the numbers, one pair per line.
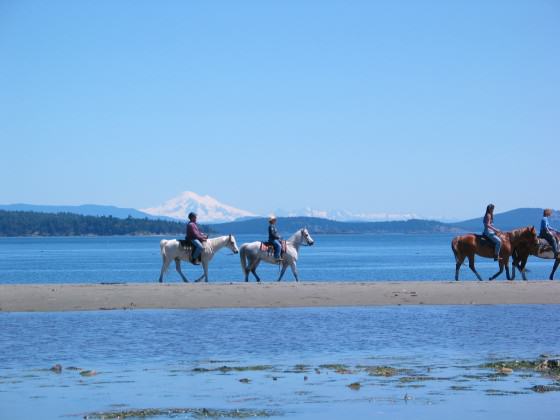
347, 216
209, 209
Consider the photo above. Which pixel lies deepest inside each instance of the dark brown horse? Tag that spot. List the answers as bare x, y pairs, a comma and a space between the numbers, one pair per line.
467, 246
541, 250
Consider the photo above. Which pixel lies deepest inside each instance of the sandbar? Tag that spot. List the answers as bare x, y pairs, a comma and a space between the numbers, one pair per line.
86, 297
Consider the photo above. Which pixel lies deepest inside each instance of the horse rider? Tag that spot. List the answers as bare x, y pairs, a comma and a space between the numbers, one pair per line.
274, 237
547, 232
196, 237
491, 232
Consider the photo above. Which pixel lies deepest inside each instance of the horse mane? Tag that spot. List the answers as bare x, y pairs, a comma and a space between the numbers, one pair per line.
517, 233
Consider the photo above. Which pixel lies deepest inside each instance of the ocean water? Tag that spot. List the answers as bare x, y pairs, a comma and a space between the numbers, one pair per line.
289, 363
332, 258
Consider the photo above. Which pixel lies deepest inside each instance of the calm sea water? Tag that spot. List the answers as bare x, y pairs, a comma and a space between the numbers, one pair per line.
278, 360
333, 258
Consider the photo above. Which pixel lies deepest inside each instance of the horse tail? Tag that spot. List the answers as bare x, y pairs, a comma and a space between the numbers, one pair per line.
455, 248
162, 244
243, 258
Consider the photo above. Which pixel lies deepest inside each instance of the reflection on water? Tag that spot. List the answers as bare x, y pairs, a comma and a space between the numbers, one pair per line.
391, 362
334, 257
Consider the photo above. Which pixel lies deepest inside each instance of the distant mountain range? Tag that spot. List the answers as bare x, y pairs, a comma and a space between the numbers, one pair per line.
209, 210
223, 218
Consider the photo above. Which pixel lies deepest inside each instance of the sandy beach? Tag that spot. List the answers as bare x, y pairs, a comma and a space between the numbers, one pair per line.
83, 297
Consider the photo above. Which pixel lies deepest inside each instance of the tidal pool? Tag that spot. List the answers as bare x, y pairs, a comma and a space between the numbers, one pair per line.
384, 362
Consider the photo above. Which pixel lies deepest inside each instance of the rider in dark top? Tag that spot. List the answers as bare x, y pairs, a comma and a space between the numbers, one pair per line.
547, 232
196, 237
274, 237
491, 232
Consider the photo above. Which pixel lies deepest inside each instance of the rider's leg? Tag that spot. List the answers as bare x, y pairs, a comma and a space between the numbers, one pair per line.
197, 249
497, 244
277, 248
552, 241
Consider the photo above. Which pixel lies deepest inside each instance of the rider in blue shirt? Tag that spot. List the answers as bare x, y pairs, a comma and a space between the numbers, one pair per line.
548, 232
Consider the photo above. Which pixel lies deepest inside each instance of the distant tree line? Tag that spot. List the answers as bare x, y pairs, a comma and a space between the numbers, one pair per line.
27, 223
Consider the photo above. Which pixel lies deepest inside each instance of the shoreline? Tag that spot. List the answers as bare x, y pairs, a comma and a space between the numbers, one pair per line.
88, 297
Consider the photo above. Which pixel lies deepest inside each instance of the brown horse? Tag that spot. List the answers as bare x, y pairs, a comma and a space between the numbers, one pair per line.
541, 250
467, 246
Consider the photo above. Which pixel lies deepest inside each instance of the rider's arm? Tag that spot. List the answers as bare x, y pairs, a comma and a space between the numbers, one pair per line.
198, 235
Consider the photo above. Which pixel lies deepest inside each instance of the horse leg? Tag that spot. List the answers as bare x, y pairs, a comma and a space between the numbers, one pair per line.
205, 268
247, 268
293, 266
508, 276
501, 266
253, 269
284, 267
178, 268
521, 267
556, 264
458, 266
473, 269
164, 267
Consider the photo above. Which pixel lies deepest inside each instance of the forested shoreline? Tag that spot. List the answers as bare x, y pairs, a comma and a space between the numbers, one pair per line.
27, 223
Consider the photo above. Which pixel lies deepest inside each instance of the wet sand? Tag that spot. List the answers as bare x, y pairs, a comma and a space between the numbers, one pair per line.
83, 297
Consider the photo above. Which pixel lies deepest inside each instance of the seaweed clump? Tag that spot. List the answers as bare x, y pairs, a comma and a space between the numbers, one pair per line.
196, 413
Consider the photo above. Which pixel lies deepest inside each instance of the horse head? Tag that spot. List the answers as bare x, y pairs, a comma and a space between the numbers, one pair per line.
525, 236
232, 244
305, 235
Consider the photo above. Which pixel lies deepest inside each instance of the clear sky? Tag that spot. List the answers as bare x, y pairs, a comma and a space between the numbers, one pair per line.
429, 107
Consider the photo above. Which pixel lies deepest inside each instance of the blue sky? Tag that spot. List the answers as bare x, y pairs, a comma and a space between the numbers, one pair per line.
429, 107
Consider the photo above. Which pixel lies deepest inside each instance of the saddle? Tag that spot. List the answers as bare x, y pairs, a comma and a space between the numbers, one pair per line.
484, 240
269, 248
544, 245
188, 247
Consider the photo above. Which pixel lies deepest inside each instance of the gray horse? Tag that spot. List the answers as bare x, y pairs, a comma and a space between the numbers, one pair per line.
251, 255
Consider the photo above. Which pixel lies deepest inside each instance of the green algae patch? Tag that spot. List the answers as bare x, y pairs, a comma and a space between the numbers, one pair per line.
386, 371
460, 388
548, 367
418, 378
511, 364
545, 388
196, 413
228, 369
88, 373
355, 386
337, 368
301, 368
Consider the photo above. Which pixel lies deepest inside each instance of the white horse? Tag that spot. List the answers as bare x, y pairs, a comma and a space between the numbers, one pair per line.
251, 255
171, 250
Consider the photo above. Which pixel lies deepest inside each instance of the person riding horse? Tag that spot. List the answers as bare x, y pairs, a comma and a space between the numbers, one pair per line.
491, 232
196, 237
274, 237
547, 232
